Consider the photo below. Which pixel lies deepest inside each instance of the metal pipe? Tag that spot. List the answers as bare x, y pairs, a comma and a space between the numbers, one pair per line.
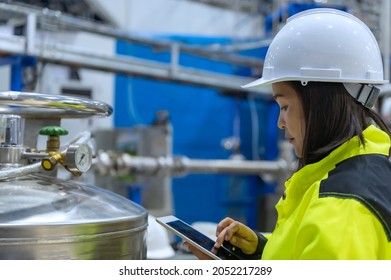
82, 138
36, 105
63, 54
67, 55
34, 155
20, 171
255, 167
31, 32
114, 164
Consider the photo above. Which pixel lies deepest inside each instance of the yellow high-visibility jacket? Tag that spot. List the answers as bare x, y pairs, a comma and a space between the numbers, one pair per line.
339, 207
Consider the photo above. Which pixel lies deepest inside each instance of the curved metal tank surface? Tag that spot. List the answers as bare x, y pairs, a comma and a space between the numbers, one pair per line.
42, 217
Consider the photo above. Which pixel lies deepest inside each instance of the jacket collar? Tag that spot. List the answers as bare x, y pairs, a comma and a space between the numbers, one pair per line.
376, 142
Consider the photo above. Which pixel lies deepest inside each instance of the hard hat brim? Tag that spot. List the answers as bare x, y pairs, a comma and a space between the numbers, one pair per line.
265, 82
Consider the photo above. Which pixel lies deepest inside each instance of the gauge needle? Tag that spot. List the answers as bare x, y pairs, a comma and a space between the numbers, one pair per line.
81, 158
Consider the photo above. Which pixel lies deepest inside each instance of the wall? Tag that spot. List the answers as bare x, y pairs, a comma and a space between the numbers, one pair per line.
201, 119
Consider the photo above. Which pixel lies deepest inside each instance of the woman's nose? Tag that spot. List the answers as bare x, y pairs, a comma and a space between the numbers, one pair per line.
281, 122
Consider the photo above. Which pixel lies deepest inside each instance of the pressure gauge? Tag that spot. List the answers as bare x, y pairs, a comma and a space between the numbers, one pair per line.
78, 158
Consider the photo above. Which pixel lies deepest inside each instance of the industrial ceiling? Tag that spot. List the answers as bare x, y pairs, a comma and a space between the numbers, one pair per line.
85, 9
65, 13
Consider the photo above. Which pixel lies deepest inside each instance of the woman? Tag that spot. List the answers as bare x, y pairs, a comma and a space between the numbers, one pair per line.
323, 66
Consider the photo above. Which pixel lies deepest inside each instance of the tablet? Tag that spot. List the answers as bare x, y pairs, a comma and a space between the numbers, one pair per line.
196, 238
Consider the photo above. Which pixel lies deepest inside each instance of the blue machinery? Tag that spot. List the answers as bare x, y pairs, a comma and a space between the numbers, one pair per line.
201, 117
19, 63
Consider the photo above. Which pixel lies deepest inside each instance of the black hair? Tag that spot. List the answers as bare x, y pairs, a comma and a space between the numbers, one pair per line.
332, 117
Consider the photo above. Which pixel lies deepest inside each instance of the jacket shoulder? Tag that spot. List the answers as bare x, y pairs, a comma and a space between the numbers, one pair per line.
367, 179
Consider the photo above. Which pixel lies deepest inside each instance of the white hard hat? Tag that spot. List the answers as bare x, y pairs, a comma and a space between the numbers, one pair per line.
324, 45
158, 241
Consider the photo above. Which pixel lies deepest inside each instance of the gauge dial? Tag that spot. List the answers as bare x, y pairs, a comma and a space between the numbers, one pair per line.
79, 158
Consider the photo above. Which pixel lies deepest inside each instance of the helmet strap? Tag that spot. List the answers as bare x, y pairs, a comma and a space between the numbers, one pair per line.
363, 93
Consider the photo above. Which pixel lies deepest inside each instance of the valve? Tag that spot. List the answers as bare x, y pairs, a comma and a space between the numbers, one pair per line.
53, 133
52, 146
35, 108
49, 163
76, 159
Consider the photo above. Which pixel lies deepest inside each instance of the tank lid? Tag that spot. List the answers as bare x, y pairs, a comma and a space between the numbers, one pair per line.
44, 201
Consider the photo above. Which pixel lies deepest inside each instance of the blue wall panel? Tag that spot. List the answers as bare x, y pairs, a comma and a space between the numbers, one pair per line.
201, 118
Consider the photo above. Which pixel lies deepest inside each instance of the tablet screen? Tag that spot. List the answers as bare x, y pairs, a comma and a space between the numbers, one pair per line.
201, 239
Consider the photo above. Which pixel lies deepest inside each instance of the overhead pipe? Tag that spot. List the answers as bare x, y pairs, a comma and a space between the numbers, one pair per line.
100, 29
127, 65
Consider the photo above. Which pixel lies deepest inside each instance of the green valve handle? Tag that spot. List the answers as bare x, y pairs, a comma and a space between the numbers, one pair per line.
53, 131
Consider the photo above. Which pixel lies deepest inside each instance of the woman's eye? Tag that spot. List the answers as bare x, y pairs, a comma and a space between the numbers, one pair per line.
283, 108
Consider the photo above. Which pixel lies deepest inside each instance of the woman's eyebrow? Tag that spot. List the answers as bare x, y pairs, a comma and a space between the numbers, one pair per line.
277, 95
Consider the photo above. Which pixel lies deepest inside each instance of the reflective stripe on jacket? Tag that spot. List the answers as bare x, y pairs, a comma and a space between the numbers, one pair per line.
339, 207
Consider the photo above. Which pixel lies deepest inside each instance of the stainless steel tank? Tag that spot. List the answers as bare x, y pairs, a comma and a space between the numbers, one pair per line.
44, 217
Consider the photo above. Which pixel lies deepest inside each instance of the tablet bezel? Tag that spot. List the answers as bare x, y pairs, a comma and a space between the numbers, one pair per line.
164, 221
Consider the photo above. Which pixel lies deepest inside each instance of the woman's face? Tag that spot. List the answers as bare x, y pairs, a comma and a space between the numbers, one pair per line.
291, 117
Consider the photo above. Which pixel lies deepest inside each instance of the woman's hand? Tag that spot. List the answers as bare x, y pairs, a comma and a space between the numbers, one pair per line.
230, 230
237, 234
